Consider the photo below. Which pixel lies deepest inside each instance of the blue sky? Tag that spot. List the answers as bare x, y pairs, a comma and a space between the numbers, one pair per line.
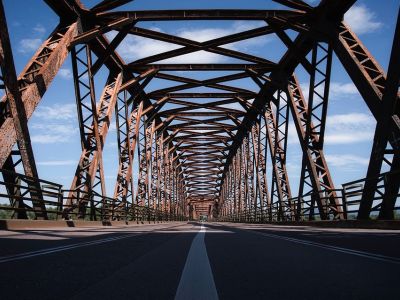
54, 130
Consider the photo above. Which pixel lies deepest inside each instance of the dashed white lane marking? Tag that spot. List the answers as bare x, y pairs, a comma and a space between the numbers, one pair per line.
25, 255
197, 281
61, 248
393, 260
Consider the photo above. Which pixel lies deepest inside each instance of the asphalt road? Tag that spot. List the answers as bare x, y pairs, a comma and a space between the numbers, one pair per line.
188, 261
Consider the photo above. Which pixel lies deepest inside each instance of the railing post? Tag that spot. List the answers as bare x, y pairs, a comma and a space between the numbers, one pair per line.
344, 201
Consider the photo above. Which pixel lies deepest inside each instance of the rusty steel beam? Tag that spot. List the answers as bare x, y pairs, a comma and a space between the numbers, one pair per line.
201, 67
115, 63
216, 150
317, 171
145, 150
35, 79
311, 116
200, 14
276, 127
94, 121
299, 48
128, 129
19, 119
262, 199
386, 131
247, 95
210, 46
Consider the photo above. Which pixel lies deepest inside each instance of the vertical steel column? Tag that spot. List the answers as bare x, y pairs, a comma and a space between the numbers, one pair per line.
169, 183
236, 194
259, 145
317, 170
122, 187
149, 162
154, 170
127, 134
310, 125
32, 84
370, 80
94, 121
20, 121
145, 143
277, 133
141, 184
161, 173
154, 176
249, 165
242, 178
387, 129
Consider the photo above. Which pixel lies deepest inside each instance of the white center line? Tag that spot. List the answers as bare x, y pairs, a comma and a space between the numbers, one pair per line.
20, 256
197, 281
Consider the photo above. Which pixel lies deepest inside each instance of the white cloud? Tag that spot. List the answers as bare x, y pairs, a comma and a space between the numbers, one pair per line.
354, 120
135, 47
55, 128
65, 73
29, 45
33, 43
233, 105
204, 34
39, 28
336, 90
292, 134
57, 163
361, 20
293, 168
111, 144
56, 112
343, 129
199, 57
48, 139
346, 160
112, 127
52, 133
348, 137
54, 124
349, 128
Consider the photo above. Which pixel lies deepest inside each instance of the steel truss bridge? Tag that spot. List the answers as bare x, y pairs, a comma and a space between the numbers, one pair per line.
197, 157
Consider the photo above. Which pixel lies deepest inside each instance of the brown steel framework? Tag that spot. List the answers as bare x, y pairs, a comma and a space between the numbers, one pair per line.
209, 156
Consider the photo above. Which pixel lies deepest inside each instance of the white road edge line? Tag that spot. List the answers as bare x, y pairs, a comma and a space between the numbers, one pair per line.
25, 255
380, 257
197, 281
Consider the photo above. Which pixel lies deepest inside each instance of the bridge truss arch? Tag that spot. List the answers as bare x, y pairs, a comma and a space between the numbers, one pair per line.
207, 151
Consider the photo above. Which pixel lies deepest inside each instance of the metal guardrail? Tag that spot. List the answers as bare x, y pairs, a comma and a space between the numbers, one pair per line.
347, 202
15, 196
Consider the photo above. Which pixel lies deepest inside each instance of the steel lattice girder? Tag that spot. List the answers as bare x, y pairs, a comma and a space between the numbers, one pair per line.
386, 146
18, 117
94, 124
220, 143
35, 78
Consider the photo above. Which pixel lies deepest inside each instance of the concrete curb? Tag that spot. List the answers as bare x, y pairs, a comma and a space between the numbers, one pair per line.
362, 224
366, 224
35, 224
